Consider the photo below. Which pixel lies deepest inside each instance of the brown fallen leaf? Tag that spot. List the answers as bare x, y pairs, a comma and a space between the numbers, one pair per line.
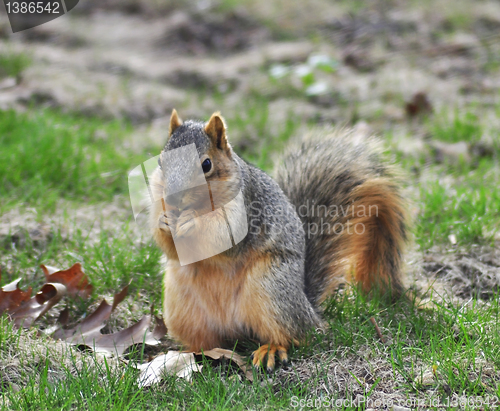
88, 332
160, 329
117, 343
418, 105
173, 362
218, 353
73, 278
27, 313
11, 296
24, 310
358, 59
63, 318
94, 322
377, 329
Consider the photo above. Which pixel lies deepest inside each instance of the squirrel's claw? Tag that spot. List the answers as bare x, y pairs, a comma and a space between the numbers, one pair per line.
270, 350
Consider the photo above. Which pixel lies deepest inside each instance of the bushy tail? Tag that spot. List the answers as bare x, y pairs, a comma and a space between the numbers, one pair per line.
352, 212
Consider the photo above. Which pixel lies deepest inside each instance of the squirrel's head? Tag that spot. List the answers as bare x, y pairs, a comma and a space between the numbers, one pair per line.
215, 156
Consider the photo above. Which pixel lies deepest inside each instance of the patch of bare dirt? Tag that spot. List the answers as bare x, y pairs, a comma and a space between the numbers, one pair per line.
472, 274
455, 275
205, 33
347, 375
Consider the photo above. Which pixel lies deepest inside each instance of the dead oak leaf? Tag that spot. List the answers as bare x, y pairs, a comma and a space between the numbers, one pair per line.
27, 313
92, 324
418, 105
11, 296
73, 278
117, 343
88, 332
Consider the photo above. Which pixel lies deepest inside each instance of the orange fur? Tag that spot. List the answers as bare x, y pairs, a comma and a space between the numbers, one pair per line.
365, 256
218, 299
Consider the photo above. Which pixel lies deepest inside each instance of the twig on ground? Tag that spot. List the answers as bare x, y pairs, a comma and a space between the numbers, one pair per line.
379, 333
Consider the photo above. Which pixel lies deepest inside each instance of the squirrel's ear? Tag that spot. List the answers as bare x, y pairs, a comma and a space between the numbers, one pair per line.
216, 130
175, 122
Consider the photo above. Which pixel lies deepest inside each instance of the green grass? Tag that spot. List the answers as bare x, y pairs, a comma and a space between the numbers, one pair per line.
112, 261
466, 207
47, 155
457, 341
259, 144
64, 156
459, 126
456, 196
453, 338
77, 158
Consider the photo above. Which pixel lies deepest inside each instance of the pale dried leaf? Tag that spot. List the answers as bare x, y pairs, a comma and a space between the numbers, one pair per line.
172, 363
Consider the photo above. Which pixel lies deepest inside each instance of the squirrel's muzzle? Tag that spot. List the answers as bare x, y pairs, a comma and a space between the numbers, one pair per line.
182, 172
175, 200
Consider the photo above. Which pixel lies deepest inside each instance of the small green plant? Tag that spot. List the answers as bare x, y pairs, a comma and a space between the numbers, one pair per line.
310, 73
13, 64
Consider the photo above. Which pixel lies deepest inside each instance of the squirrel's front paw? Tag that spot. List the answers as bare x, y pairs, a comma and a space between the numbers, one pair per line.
186, 223
163, 224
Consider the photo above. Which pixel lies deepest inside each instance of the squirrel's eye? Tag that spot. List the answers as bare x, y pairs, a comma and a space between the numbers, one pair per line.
206, 165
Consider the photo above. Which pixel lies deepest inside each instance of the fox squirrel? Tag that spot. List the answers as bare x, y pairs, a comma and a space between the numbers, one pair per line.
334, 214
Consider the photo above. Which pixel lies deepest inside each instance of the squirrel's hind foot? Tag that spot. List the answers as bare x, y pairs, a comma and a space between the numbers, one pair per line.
269, 350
